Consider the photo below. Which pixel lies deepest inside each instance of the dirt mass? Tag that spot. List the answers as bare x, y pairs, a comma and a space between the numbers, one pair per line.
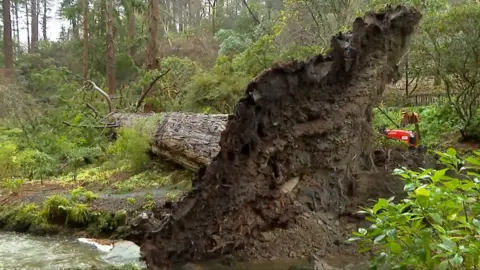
296, 156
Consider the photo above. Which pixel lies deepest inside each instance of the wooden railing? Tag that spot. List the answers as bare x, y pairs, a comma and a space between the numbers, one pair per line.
415, 100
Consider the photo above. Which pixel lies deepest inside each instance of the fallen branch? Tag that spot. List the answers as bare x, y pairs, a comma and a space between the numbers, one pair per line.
104, 94
93, 109
87, 126
142, 97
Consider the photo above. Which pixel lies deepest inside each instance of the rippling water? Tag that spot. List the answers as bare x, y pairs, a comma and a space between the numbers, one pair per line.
22, 251
27, 252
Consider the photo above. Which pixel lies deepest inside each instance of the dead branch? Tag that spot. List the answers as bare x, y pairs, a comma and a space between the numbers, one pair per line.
93, 109
87, 126
104, 94
142, 97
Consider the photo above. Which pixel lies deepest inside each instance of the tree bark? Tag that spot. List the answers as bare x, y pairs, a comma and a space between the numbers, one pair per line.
152, 48
44, 19
34, 43
110, 49
7, 37
188, 139
27, 16
307, 123
85, 39
131, 32
17, 28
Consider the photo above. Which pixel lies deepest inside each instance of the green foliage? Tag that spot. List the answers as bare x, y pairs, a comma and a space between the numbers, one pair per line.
256, 58
436, 226
149, 203
219, 89
231, 42
448, 53
81, 193
131, 201
130, 149
13, 185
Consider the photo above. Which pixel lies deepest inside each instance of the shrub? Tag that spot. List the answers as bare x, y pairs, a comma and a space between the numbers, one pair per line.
436, 227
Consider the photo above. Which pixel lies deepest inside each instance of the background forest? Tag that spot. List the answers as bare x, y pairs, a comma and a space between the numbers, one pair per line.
196, 56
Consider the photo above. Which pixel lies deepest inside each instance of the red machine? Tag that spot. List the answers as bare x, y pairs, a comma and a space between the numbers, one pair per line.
401, 135
412, 138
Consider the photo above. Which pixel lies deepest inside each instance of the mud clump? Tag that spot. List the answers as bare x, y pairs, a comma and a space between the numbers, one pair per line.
302, 129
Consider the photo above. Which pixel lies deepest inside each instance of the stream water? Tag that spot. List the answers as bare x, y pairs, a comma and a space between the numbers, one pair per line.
31, 252
22, 251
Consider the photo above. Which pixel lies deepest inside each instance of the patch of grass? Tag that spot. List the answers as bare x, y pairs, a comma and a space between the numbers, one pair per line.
149, 202
14, 185
80, 192
152, 179
131, 201
99, 174
174, 195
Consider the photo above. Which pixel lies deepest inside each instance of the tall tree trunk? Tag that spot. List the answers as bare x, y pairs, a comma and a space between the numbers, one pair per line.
152, 49
27, 15
131, 32
44, 20
34, 8
85, 38
110, 49
17, 28
7, 37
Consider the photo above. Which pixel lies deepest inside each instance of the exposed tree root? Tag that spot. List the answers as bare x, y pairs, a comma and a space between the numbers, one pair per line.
308, 120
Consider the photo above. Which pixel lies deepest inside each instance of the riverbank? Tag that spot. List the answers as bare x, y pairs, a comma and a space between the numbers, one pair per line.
87, 208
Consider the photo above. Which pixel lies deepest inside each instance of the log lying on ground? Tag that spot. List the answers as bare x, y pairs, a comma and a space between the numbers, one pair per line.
188, 139
300, 125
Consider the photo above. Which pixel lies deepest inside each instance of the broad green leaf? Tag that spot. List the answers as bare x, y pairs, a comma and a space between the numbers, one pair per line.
435, 217
438, 175
362, 231
443, 265
422, 192
409, 187
447, 244
452, 152
382, 203
473, 160
395, 248
457, 260
379, 238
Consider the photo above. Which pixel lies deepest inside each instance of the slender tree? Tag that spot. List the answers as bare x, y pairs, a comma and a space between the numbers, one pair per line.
17, 28
27, 22
85, 38
110, 48
152, 48
7, 36
44, 19
34, 42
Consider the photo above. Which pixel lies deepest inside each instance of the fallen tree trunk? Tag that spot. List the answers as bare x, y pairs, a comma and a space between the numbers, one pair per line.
301, 126
188, 139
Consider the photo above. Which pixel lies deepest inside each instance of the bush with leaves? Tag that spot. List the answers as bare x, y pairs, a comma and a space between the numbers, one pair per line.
449, 52
437, 226
130, 149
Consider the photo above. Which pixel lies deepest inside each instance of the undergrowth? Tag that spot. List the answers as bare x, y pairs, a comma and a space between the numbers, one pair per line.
437, 226
61, 211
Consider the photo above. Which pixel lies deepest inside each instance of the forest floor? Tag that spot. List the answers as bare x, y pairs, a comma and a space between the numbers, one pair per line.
109, 199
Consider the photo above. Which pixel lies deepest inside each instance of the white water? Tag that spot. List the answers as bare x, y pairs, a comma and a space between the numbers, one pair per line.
21, 251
